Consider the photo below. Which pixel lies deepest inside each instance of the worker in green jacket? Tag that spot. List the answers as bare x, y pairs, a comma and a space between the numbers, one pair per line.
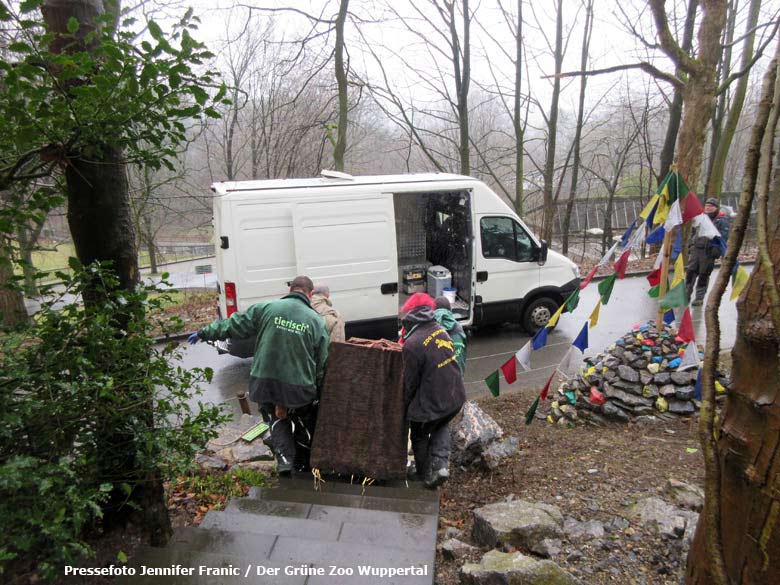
445, 318
287, 369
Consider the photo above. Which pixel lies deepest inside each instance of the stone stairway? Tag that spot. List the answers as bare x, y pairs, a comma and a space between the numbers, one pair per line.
295, 535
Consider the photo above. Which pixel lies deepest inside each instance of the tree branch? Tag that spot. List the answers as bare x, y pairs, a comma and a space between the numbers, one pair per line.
644, 66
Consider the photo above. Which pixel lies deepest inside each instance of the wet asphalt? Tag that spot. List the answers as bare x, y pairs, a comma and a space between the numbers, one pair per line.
488, 348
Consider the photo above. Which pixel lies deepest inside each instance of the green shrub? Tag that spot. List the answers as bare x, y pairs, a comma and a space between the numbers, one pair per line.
89, 410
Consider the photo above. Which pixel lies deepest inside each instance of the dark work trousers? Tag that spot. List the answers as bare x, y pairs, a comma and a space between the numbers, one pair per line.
291, 437
431, 443
698, 271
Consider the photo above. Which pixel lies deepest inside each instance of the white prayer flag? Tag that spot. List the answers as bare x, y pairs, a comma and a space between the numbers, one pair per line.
608, 256
571, 362
638, 237
523, 356
704, 227
691, 358
674, 218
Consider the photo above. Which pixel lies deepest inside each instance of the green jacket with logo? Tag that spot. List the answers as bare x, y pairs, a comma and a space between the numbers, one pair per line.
446, 319
290, 351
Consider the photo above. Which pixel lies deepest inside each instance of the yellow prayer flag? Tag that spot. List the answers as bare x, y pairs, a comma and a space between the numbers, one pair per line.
554, 319
739, 282
594, 316
679, 271
649, 207
663, 207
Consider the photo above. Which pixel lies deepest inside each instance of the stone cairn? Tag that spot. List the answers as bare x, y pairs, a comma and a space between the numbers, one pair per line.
637, 376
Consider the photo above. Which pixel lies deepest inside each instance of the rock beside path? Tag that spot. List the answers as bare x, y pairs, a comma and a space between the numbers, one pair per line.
518, 523
472, 435
514, 569
669, 520
454, 548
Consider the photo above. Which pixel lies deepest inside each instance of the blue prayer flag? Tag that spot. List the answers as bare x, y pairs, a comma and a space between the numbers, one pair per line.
718, 243
626, 235
540, 339
581, 342
669, 317
656, 236
677, 246
697, 388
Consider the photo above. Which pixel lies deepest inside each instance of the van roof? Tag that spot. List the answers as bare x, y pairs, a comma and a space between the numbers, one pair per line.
237, 186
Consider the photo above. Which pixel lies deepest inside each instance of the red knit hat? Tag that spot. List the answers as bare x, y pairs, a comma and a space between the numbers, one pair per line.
418, 299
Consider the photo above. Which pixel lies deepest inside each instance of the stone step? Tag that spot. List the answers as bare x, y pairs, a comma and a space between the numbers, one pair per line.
200, 561
387, 504
336, 514
406, 533
394, 489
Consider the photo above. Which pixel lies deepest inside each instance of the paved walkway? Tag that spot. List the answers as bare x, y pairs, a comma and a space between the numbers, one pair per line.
295, 535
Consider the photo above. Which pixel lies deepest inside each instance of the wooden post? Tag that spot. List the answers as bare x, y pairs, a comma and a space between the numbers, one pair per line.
666, 250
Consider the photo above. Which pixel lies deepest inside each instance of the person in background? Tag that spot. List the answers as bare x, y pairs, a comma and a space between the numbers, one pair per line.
321, 303
445, 318
702, 253
287, 369
433, 388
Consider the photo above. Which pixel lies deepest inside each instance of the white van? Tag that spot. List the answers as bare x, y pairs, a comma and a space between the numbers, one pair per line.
374, 241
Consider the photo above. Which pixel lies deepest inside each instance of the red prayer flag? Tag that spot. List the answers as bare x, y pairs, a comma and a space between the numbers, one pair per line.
654, 278
546, 388
686, 327
588, 278
510, 370
622, 264
691, 207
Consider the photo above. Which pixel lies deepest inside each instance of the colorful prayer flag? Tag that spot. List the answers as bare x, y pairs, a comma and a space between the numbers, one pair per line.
608, 256
626, 235
656, 236
546, 388
594, 315
529, 416
738, 281
655, 291
679, 271
573, 300
662, 210
654, 278
588, 278
648, 209
581, 342
669, 317
571, 362
509, 369
492, 383
675, 297
674, 217
677, 246
554, 319
622, 264
690, 359
704, 227
523, 356
638, 238
606, 286
692, 207
686, 327
540, 339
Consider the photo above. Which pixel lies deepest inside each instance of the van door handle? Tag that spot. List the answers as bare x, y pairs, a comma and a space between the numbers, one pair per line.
389, 288
482, 276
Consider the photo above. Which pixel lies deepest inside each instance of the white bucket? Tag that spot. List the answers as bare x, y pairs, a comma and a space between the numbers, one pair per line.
450, 294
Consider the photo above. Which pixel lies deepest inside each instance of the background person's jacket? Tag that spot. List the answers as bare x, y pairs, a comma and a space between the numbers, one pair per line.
290, 351
433, 383
334, 322
446, 319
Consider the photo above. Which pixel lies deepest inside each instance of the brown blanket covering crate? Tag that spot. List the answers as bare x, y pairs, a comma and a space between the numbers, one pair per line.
361, 427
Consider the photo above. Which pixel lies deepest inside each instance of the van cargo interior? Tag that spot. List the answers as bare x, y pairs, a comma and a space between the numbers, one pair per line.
433, 234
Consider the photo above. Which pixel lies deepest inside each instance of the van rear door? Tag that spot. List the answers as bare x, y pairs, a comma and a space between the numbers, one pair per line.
350, 246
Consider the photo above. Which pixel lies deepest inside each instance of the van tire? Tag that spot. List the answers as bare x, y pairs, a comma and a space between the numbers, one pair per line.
537, 313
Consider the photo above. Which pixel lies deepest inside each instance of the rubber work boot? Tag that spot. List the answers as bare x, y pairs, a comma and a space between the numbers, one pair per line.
284, 466
436, 477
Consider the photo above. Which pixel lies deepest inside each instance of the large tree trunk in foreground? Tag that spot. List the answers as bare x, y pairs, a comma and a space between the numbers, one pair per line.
12, 311
744, 489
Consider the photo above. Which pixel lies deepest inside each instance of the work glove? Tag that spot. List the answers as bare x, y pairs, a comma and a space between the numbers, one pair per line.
194, 338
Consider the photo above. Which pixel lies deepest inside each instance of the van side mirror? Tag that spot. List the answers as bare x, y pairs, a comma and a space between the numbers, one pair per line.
542, 254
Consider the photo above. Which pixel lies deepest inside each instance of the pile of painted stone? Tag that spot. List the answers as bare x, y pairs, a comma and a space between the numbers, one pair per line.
636, 376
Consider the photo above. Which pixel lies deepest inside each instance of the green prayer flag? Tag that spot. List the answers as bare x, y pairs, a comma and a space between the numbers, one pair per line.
492, 383
677, 188
675, 297
529, 416
573, 300
606, 286
655, 291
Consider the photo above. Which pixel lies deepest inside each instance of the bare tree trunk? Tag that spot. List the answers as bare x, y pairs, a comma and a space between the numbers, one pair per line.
12, 310
718, 166
548, 212
341, 81
588, 30
675, 108
148, 237
28, 237
461, 61
517, 124
747, 451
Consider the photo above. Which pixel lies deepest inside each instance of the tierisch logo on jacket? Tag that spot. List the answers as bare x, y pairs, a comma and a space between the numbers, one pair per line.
291, 326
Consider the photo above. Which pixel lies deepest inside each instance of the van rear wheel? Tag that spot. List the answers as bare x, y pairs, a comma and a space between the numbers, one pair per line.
538, 313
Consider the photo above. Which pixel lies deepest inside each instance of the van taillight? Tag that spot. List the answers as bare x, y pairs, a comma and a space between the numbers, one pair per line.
230, 298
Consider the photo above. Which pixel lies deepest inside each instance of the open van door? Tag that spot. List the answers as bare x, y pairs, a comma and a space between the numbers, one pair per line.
350, 246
